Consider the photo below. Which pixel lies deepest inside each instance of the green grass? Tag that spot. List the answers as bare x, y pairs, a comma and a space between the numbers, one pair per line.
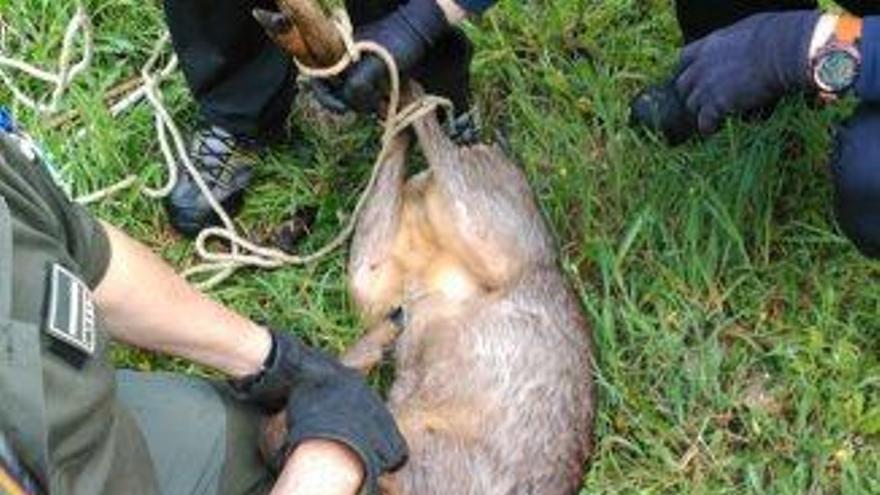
736, 329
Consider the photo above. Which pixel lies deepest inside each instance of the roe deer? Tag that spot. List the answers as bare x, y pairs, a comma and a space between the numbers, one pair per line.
493, 382
493, 388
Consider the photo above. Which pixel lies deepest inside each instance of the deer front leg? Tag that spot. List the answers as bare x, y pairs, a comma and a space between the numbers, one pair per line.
482, 208
371, 348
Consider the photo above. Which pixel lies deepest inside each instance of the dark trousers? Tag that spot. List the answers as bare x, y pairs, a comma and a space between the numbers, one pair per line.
855, 167
243, 82
698, 18
200, 440
855, 162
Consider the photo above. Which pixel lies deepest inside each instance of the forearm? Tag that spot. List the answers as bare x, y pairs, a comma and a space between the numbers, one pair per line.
320, 467
146, 304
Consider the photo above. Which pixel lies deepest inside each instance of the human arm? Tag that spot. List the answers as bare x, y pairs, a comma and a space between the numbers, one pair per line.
320, 467
147, 305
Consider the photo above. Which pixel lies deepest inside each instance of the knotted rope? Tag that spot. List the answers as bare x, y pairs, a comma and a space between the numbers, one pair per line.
149, 85
246, 253
219, 265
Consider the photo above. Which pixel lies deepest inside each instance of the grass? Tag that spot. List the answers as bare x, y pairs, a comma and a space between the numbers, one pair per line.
736, 328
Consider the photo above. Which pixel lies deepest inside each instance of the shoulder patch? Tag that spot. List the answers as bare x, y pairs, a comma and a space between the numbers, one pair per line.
71, 310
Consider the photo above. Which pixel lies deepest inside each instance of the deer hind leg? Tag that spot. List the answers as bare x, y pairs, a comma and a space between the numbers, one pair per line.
482, 207
375, 279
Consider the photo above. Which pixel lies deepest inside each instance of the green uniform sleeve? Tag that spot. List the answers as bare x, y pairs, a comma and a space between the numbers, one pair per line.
88, 242
41, 204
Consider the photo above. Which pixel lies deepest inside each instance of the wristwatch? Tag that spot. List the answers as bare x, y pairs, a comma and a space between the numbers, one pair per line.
836, 65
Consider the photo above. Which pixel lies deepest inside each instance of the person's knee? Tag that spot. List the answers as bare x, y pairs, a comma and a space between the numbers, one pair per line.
856, 169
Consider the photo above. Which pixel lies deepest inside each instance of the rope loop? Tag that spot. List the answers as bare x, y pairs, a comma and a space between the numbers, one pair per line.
219, 265
65, 70
246, 253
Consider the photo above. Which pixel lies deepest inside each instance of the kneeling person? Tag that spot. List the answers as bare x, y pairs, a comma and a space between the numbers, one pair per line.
72, 424
744, 56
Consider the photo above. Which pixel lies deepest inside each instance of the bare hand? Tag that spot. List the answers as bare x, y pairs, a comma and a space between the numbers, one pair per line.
320, 467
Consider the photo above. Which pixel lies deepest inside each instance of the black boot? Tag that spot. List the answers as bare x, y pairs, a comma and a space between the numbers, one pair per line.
226, 163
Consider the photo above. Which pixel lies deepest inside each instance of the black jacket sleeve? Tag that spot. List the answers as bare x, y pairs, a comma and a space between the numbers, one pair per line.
475, 6
868, 85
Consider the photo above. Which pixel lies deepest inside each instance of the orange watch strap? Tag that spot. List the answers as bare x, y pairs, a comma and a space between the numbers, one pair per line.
849, 29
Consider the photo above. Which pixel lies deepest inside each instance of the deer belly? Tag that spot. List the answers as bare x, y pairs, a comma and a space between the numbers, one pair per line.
448, 278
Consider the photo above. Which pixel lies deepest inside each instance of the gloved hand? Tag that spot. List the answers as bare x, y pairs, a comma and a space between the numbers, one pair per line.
325, 400
746, 66
407, 34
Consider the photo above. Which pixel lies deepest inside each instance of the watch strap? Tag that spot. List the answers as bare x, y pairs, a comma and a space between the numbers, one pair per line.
849, 29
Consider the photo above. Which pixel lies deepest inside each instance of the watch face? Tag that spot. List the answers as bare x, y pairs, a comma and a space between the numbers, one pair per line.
837, 71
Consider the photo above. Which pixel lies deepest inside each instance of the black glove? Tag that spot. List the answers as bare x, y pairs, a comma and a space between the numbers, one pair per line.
660, 109
325, 400
746, 66
406, 33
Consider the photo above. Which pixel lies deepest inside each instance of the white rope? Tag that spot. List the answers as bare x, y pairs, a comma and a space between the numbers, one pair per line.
219, 265
64, 75
246, 253
128, 101
65, 72
94, 197
141, 91
177, 147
